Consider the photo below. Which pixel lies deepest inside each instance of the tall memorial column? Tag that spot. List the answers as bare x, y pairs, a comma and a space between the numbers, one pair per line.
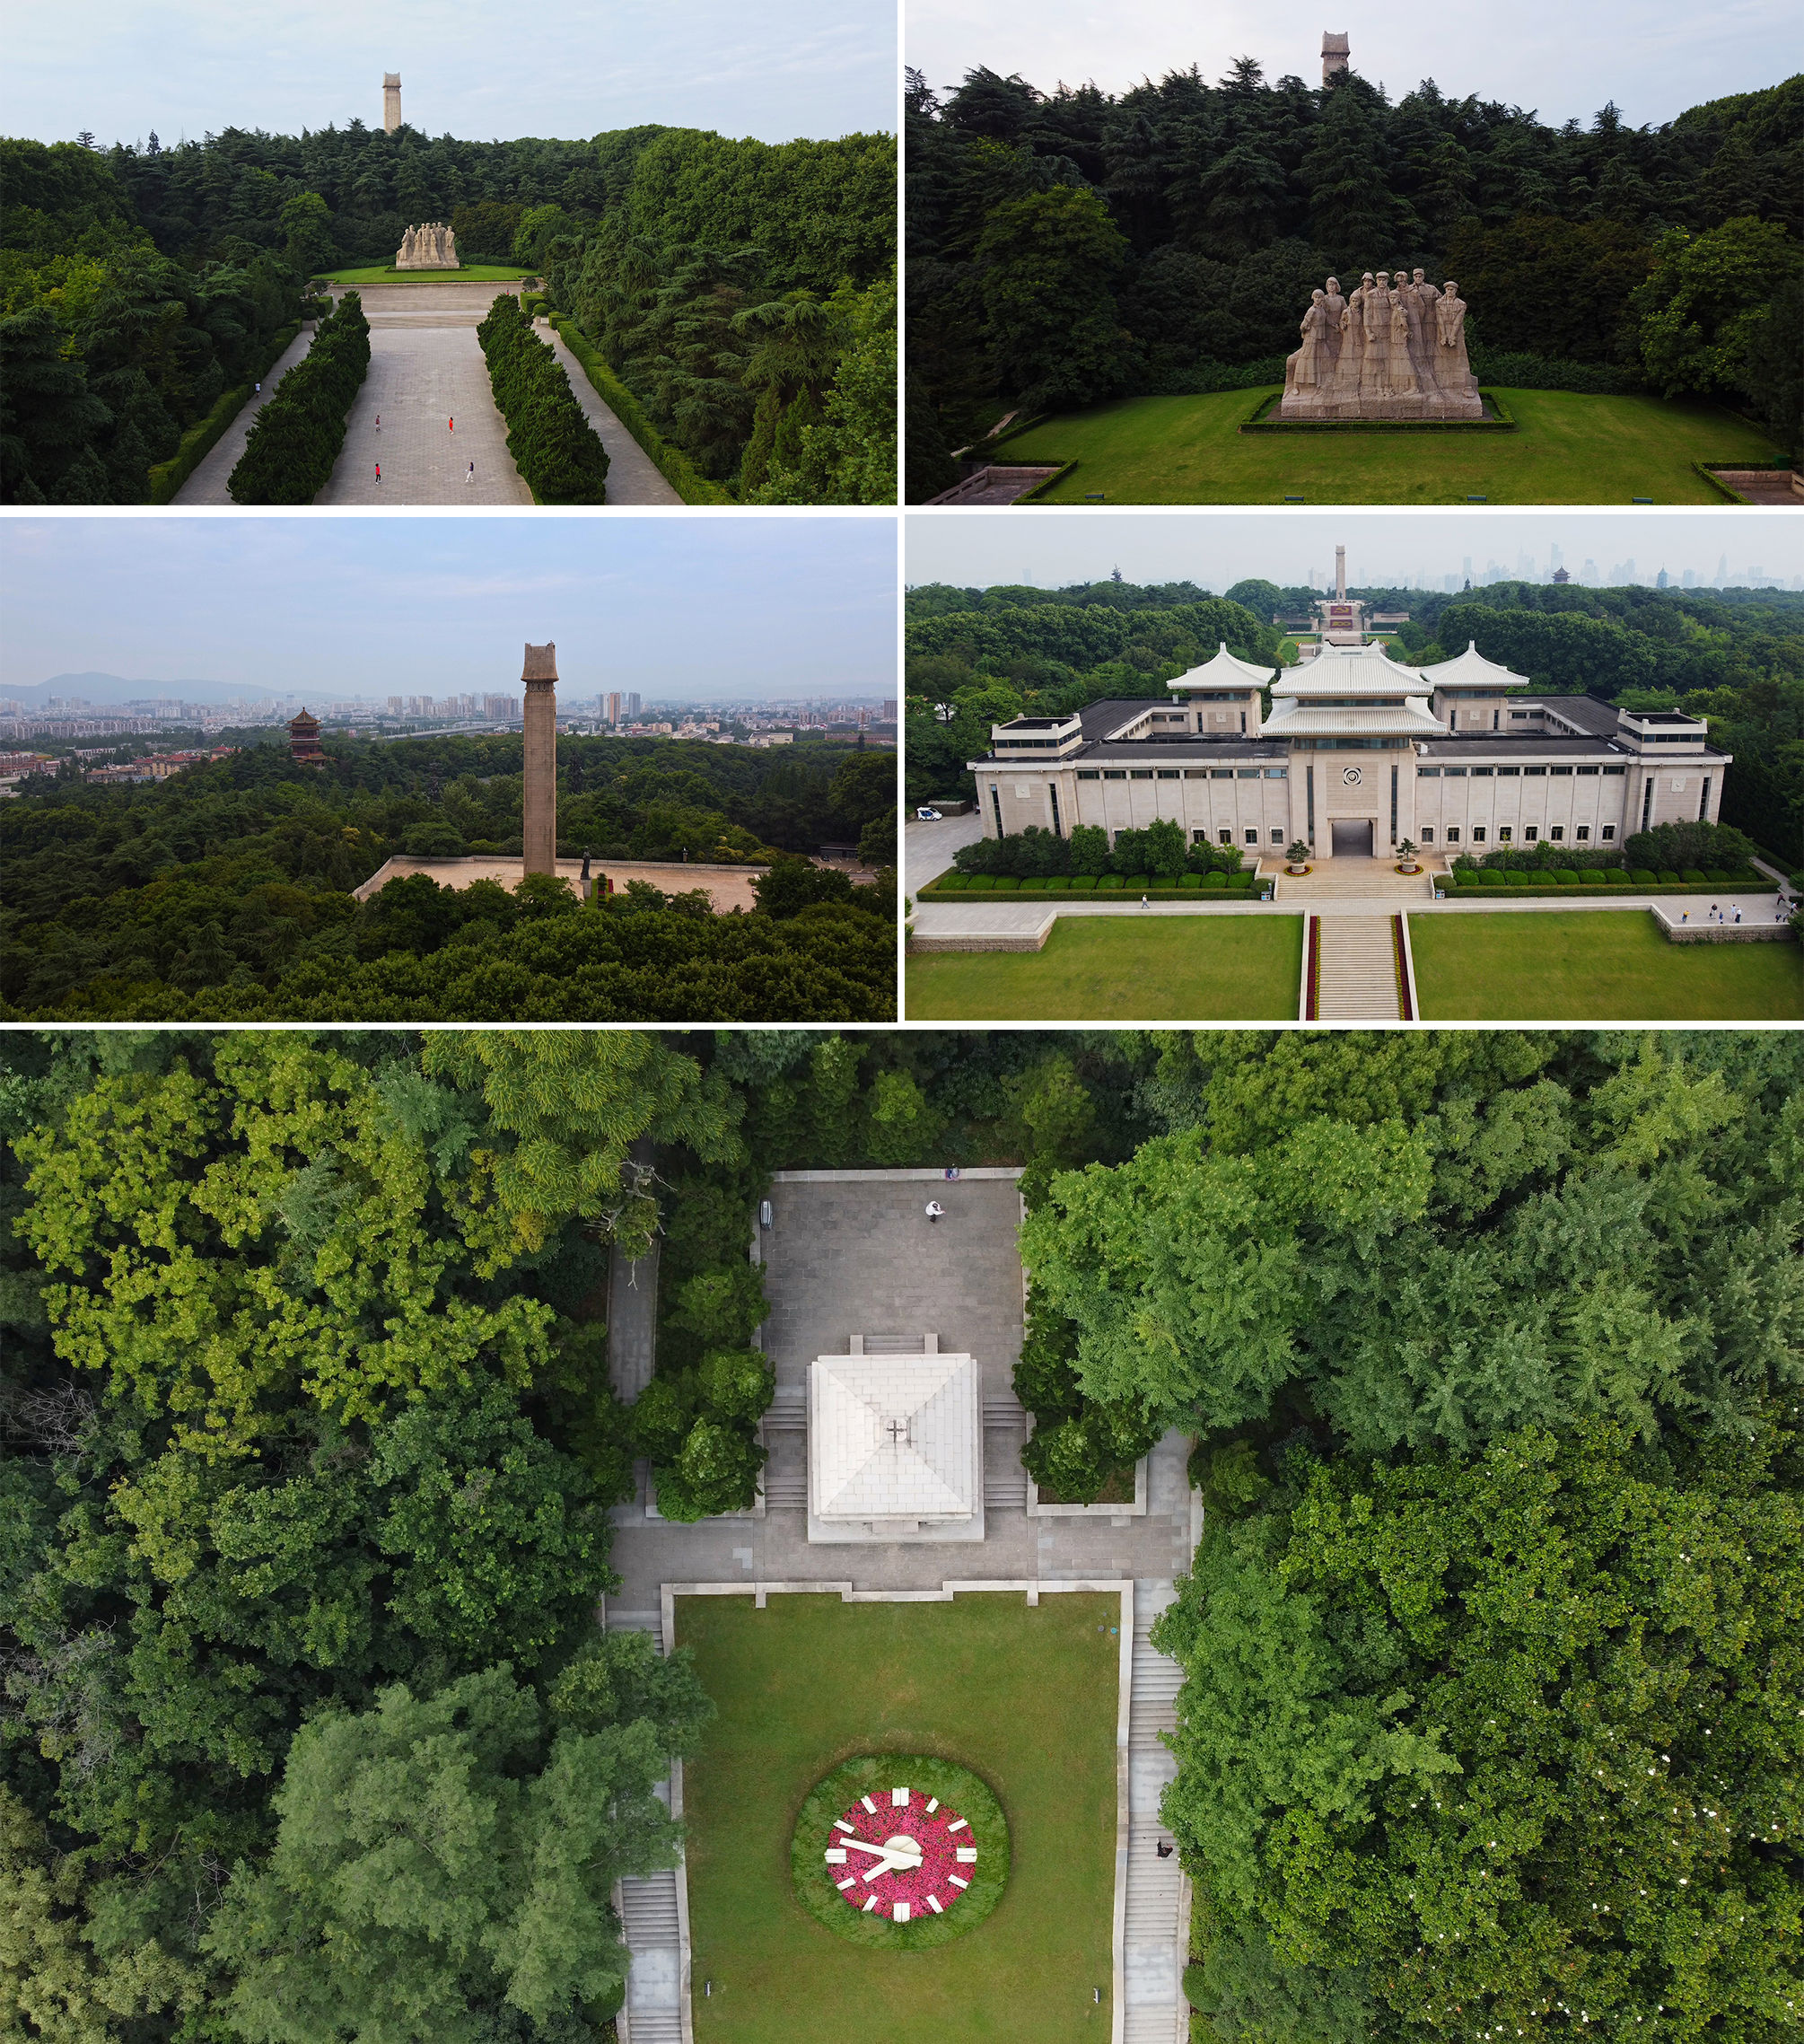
539, 676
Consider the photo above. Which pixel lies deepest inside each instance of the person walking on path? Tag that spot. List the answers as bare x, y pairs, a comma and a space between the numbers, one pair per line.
379, 471
378, 422
1738, 913
470, 478
1715, 912
450, 425
259, 387
934, 1210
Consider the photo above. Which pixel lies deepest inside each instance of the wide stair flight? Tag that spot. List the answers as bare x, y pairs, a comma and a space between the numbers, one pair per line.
1158, 1929
1357, 980
647, 1904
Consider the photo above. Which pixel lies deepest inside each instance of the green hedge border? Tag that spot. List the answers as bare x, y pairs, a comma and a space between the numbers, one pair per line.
1566, 892
200, 439
968, 1794
1058, 889
1051, 482
671, 462
1505, 421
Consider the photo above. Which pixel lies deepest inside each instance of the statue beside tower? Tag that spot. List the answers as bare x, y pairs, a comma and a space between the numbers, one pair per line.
391, 102
539, 787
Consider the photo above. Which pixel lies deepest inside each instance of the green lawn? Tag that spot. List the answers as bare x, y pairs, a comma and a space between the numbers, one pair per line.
1025, 1698
1121, 969
1566, 449
472, 273
1595, 965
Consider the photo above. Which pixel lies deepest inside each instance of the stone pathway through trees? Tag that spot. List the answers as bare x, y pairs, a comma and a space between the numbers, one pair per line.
632, 477
208, 481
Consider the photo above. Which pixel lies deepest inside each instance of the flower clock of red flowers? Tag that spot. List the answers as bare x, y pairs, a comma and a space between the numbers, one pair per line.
902, 1854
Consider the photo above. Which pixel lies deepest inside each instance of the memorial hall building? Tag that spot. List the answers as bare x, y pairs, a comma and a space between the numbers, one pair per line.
1358, 753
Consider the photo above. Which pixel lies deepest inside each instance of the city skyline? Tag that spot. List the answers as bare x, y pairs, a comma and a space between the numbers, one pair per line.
199, 67
1384, 549
699, 611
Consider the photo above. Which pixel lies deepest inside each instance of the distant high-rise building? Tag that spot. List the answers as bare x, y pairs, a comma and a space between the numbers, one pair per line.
634, 705
1688, 580
1722, 573
394, 706
500, 709
614, 700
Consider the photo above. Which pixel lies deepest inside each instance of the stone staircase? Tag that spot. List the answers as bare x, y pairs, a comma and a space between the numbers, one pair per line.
1157, 1926
785, 1434
1005, 1429
1357, 976
649, 1916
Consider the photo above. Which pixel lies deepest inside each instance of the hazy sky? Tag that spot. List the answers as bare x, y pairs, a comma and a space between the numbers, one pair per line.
701, 608
1384, 549
478, 69
1654, 57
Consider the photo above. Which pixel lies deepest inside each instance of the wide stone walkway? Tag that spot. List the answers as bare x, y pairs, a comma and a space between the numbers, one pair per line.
423, 375
853, 1252
208, 484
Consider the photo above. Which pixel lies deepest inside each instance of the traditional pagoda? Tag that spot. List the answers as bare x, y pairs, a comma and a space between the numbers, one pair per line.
304, 740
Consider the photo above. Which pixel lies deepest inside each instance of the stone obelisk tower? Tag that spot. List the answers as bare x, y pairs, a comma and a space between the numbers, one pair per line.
540, 675
1335, 54
1341, 573
391, 102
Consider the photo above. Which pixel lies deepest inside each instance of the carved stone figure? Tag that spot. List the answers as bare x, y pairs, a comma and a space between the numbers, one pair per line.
1394, 348
432, 246
1309, 367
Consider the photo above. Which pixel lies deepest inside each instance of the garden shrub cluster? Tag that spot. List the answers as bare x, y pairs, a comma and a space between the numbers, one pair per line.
670, 462
166, 478
1670, 854
1036, 853
696, 1420
289, 456
552, 443
1077, 1444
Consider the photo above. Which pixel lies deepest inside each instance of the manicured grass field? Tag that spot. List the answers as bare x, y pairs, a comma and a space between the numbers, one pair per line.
1566, 449
1595, 965
1121, 969
472, 273
1025, 1698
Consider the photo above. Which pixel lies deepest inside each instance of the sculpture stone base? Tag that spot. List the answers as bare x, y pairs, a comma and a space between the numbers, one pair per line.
1303, 405
425, 263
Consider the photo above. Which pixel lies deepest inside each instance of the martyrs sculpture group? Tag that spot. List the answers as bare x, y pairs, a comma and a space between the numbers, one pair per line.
1394, 348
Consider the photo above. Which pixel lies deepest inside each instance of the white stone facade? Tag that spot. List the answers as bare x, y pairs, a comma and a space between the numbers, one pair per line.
1357, 754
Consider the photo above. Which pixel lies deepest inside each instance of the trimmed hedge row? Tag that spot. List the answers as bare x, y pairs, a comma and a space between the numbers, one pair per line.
202, 437
1080, 886
671, 462
1558, 880
552, 443
299, 433
1504, 422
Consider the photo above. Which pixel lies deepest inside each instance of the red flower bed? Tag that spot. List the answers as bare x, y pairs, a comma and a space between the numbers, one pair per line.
924, 1872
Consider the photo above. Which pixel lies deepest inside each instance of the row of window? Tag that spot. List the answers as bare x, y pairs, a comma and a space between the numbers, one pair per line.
1506, 773
1183, 773
1506, 834
1222, 837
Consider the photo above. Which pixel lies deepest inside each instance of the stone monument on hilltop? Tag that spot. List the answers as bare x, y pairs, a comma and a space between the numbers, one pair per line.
430, 247
1393, 347
391, 102
1335, 54
540, 787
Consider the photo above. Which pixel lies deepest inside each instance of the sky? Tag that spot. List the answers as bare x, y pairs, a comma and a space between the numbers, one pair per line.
480, 70
1653, 57
1384, 549
693, 608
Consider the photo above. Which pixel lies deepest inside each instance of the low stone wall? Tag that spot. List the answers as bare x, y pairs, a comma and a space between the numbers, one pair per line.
1035, 941
1722, 933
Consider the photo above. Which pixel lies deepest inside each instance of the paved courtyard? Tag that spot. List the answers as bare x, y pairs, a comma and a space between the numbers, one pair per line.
422, 375
853, 1252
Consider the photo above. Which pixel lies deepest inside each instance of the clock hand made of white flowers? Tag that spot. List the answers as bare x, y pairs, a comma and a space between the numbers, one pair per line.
899, 1854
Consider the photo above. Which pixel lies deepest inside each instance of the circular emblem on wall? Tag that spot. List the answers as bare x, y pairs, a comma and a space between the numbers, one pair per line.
1350, 776
900, 1849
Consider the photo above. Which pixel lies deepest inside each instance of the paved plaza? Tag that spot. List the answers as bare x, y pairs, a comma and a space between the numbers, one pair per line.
426, 370
852, 1252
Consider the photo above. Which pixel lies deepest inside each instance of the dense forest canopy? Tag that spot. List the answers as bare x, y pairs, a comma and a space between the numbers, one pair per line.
977, 657
226, 890
1488, 1342
151, 279
1071, 245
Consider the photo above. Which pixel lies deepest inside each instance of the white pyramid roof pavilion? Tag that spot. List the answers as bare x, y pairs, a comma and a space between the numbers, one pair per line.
894, 1437
1351, 671
1223, 670
1471, 669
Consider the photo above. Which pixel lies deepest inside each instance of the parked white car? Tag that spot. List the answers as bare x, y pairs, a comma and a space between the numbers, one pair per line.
926, 816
